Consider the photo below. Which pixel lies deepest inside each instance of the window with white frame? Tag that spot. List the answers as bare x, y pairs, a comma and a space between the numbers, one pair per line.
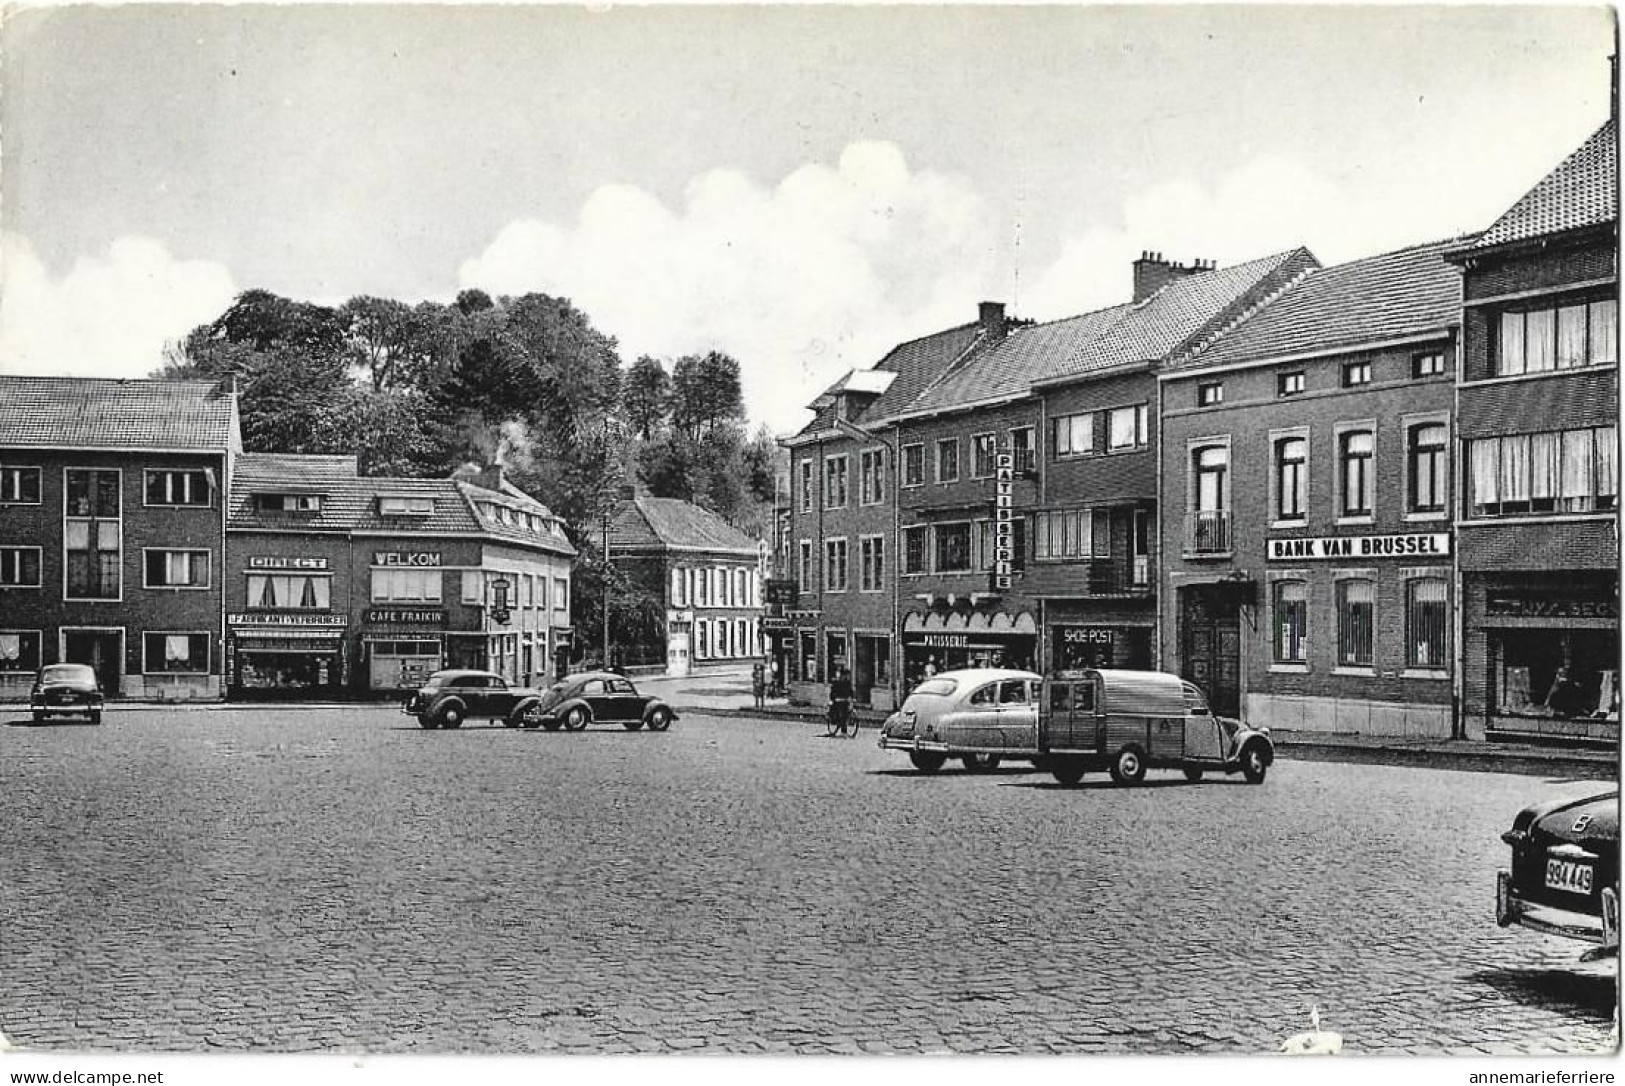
406, 585
1210, 394
834, 482
561, 593
171, 487
806, 478
402, 505
177, 569
1021, 447
19, 651
1289, 383
1430, 364
835, 565
288, 503
915, 546
1427, 622
93, 534
1291, 603
913, 465
1291, 478
1569, 471
1357, 373
289, 591
1072, 435
175, 653
1428, 463
1356, 454
1564, 337
872, 477
19, 567
983, 449
987, 544
1356, 613
19, 486
872, 563
804, 568
1072, 533
1128, 427
947, 460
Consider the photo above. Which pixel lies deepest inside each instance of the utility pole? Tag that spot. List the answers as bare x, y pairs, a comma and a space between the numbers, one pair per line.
606, 586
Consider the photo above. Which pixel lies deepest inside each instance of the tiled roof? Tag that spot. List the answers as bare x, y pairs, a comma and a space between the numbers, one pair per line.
98, 413
1008, 367
671, 522
1392, 296
550, 533
1172, 317
917, 363
1580, 192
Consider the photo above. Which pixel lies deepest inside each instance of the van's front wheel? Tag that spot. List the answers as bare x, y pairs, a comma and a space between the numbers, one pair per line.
1129, 766
927, 761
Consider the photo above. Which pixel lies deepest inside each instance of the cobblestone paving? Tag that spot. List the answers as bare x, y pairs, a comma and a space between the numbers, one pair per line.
343, 881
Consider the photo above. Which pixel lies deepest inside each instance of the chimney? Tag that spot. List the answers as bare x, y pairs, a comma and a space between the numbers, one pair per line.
1152, 273
990, 316
628, 493
489, 477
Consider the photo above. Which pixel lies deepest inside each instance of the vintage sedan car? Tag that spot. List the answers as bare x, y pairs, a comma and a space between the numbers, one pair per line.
598, 695
1564, 877
979, 715
66, 690
447, 698
1129, 721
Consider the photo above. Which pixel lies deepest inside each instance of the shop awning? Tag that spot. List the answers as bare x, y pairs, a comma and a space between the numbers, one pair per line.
998, 622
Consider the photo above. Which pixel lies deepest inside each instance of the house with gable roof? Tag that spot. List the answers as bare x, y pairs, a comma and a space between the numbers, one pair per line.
112, 531
707, 576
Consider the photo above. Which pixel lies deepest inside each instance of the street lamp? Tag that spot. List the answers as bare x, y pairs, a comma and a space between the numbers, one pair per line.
860, 433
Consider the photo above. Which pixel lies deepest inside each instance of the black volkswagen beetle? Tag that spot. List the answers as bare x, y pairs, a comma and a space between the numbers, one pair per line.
1565, 871
66, 690
597, 695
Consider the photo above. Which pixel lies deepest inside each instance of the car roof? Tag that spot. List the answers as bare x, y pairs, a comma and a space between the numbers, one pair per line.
973, 675
578, 676
457, 672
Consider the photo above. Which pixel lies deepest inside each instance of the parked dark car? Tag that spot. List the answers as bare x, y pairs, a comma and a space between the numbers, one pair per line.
602, 696
66, 690
1565, 871
447, 698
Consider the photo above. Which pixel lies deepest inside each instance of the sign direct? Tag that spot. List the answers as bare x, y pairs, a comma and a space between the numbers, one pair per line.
270, 562
1414, 545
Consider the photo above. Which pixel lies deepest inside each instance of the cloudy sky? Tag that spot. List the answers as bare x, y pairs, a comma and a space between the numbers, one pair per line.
798, 186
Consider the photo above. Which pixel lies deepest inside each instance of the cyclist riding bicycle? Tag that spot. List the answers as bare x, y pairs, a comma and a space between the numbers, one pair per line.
840, 703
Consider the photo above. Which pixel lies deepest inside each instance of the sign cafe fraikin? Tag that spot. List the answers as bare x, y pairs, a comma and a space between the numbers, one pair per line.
1403, 545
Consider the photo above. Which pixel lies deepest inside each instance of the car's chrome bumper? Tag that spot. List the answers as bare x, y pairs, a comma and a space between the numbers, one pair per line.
911, 743
1510, 909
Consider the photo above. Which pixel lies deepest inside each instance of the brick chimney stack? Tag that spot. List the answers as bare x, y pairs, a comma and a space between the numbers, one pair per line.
990, 316
489, 477
1152, 273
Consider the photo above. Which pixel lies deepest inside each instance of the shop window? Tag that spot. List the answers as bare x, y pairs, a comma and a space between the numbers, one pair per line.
19, 486
835, 654
835, 565
1563, 673
1072, 435
178, 488
872, 477
177, 569
835, 482
1357, 450
1427, 618
1573, 471
948, 460
1356, 607
1565, 337
1291, 478
19, 567
1291, 621
176, 653
806, 662
953, 548
983, 449
1429, 466
913, 465
19, 651
914, 548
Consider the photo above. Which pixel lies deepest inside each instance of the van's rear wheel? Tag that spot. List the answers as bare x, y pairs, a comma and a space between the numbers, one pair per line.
1129, 766
1192, 773
1067, 776
1252, 764
927, 761
980, 763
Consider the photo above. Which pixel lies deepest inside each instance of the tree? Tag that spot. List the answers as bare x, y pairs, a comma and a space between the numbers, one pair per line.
389, 340
646, 397
705, 394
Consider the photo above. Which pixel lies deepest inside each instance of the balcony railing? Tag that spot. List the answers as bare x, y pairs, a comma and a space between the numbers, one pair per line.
1207, 531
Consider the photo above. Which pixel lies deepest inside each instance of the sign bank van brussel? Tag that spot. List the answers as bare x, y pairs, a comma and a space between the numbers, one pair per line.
1420, 545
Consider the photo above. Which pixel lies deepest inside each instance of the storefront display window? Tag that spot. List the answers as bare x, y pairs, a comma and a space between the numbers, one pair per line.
1542, 672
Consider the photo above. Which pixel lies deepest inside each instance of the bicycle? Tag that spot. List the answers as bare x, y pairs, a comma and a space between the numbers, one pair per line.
839, 719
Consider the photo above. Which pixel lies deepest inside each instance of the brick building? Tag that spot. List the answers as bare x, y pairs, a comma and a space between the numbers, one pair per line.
707, 575
1537, 415
112, 531
342, 583
896, 534
1306, 503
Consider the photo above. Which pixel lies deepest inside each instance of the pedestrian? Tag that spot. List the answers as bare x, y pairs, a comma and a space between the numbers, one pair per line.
840, 701
758, 684
930, 666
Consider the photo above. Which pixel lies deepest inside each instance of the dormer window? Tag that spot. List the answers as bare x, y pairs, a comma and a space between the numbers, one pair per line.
289, 503
401, 506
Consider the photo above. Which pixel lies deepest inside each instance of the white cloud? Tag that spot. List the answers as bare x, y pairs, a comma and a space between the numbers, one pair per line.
801, 281
109, 315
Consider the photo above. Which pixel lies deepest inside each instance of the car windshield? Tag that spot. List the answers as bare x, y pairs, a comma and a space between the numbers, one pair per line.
68, 673
941, 688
